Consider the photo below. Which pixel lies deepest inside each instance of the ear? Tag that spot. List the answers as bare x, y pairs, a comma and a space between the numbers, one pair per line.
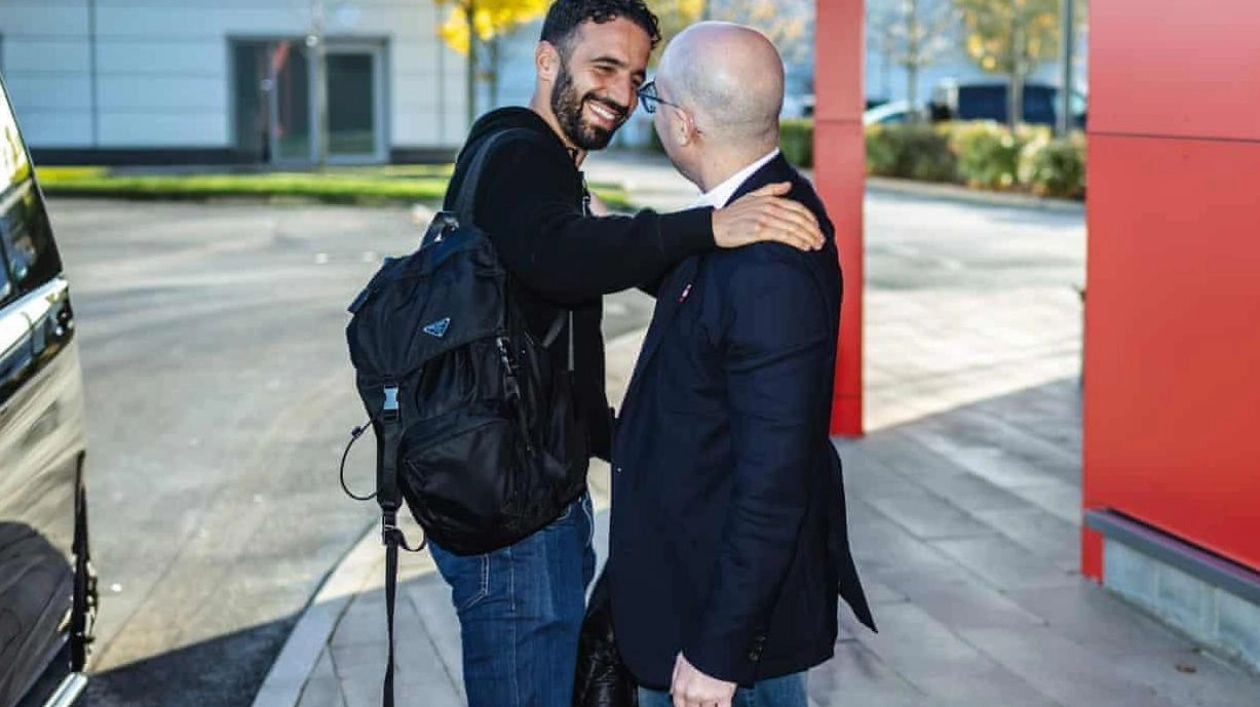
685, 127
547, 61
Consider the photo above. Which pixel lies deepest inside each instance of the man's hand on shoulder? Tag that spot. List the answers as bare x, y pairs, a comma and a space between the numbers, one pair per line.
692, 688
763, 215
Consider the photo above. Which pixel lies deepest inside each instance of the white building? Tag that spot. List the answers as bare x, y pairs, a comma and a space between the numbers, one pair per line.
230, 81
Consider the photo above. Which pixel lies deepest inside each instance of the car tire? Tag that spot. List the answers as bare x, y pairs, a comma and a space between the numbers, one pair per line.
85, 600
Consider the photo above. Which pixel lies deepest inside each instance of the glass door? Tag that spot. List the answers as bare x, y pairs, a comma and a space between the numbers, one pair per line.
290, 102
272, 100
274, 87
251, 80
355, 104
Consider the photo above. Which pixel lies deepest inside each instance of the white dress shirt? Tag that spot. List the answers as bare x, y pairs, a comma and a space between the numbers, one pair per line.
722, 193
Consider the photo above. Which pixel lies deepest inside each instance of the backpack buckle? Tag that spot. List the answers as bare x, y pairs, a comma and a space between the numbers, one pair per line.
511, 387
390, 412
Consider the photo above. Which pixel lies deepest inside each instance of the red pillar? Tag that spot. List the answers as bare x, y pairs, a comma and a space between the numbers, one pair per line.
840, 176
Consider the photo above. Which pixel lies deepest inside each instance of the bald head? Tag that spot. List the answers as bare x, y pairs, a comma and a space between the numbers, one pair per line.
730, 76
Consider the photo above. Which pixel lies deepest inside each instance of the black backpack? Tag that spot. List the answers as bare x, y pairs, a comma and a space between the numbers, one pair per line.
474, 422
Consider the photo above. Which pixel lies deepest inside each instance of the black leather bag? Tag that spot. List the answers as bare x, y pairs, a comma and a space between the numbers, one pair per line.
602, 679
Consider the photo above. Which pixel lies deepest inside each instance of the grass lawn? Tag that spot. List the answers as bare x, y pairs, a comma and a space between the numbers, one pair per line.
389, 184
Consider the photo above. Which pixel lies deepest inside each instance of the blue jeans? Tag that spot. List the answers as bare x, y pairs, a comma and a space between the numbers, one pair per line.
520, 610
786, 691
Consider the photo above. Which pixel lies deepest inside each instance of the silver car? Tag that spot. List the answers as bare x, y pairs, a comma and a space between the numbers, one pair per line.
47, 586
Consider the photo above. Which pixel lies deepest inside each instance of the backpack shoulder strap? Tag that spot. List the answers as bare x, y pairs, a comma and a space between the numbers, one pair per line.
465, 200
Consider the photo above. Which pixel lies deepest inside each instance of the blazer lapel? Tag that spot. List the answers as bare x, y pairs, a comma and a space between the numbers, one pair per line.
675, 291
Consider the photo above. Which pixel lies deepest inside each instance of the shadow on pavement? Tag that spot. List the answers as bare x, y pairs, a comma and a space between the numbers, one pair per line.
223, 672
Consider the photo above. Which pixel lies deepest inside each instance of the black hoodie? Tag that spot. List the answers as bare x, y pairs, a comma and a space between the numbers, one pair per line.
530, 201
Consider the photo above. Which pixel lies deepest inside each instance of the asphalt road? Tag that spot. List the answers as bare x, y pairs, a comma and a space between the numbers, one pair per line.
219, 397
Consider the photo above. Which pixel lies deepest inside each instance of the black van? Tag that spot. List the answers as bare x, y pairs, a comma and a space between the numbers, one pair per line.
47, 586
988, 100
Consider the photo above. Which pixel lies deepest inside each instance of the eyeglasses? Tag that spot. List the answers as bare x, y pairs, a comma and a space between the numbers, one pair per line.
649, 98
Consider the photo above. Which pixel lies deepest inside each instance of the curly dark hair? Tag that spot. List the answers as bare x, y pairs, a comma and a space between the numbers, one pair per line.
565, 16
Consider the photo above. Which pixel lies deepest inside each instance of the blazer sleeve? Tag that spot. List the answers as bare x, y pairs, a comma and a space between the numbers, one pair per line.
524, 203
776, 353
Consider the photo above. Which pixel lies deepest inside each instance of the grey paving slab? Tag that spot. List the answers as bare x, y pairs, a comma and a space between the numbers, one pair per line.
1047, 536
363, 622
420, 675
1090, 615
324, 687
1027, 426
984, 460
869, 477
973, 606
1003, 564
858, 676
904, 453
1068, 672
971, 493
877, 592
927, 516
889, 553
1189, 678
430, 597
363, 688
1057, 497
941, 664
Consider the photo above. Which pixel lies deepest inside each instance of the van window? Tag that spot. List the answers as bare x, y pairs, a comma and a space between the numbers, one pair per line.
26, 241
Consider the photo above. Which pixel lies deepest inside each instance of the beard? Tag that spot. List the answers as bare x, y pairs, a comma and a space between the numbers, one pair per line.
568, 105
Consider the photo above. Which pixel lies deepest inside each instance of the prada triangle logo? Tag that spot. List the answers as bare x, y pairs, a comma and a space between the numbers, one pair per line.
438, 328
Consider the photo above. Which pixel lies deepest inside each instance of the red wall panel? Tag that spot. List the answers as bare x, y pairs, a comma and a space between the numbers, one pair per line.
840, 176
1175, 68
1172, 355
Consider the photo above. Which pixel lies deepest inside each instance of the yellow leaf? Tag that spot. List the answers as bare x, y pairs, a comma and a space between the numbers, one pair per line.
491, 19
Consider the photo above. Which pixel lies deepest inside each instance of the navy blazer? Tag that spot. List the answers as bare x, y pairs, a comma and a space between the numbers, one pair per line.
729, 539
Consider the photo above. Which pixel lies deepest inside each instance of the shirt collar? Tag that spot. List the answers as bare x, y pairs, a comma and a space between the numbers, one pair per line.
722, 193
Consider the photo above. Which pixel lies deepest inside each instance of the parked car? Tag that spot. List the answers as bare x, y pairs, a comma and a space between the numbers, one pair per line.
893, 112
48, 593
987, 100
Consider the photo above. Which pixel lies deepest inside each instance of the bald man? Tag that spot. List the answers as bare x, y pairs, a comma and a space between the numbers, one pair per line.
729, 545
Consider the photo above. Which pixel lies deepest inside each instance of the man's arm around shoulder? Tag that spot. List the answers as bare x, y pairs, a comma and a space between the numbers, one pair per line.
526, 202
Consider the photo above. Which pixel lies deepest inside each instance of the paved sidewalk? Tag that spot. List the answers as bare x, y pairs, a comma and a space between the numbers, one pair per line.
964, 503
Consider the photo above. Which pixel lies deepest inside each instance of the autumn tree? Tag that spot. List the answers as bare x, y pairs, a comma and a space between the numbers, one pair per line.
785, 22
911, 34
1011, 37
486, 22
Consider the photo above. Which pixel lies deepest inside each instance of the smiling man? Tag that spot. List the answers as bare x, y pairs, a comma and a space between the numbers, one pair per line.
521, 607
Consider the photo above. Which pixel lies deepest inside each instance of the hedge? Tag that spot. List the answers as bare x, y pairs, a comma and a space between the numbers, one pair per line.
981, 154
796, 140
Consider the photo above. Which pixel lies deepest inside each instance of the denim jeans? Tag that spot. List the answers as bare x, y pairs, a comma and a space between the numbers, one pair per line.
520, 610
786, 691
